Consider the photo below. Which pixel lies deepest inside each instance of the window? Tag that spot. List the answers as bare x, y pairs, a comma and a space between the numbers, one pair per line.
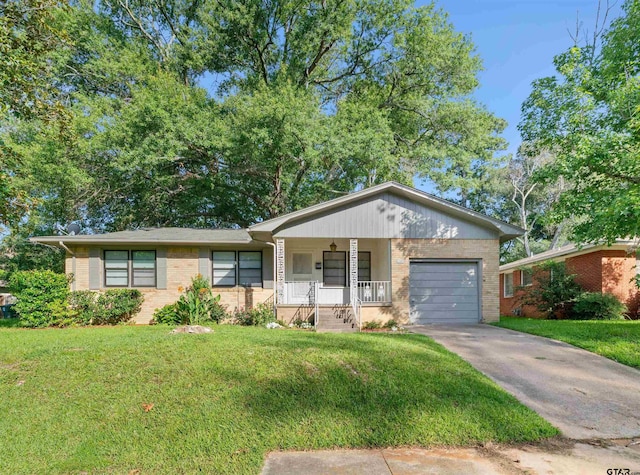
334, 268
116, 268
526, 277
302, 263
508, 285
232, 268
364, 266
143, 268
224, 268
250, 268
140, 265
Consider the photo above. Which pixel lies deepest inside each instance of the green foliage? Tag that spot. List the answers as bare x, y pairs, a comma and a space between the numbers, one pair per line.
261, 314
17, 253
597, 306
308, 102
197, 305
589, 115
167, 315
553, 291
108, 308
83, 305
390, 324
615, 339
42, 298
240, 387
372, 325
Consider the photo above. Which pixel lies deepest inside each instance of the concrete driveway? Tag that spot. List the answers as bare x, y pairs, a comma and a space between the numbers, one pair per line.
585, 395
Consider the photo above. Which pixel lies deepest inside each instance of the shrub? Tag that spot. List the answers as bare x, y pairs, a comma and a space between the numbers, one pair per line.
597, 306
554, 290
167, 315
372, 325
83, 306
197, 305
42, 298
109, 308
390, 324
259, 315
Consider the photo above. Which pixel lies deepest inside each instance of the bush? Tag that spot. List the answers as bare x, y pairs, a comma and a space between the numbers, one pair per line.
197, 305
259, 315
117, 306
109, 308
83, 305
554, 290
42, 298
597, 306
167, 315
372, 325
390, 324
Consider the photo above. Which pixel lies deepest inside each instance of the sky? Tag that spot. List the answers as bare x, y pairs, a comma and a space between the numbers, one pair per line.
517, 40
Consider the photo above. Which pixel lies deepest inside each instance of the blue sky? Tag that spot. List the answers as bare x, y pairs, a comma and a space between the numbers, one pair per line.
517, 40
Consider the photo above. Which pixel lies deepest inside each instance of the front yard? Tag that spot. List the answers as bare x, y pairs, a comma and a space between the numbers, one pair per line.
115, 399
618, 340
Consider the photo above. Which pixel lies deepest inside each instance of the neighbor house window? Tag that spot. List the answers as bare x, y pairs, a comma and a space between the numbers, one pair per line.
130, 268
526, 277
231, 268
508, 285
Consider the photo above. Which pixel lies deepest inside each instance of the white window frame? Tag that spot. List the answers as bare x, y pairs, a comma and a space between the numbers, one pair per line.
504, 284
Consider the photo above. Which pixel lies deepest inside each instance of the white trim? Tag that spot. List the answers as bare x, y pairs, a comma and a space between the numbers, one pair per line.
504, 285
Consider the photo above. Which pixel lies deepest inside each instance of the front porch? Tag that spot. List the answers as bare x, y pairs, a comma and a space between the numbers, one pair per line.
327, 281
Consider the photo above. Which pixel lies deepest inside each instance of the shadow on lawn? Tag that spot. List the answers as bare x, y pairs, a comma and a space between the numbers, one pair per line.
416, 394
10, 323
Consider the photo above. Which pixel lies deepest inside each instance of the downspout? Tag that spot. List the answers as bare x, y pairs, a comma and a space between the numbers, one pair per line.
73, 263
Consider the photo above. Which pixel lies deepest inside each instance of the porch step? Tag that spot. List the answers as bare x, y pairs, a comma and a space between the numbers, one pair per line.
337, 319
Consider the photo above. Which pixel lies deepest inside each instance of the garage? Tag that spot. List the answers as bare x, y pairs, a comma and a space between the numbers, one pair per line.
444, 292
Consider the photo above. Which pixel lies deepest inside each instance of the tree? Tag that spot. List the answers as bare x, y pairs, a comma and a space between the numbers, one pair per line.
589, 115
309, 101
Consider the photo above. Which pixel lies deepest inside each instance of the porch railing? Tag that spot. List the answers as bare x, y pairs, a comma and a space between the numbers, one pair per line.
303, 293
374, 291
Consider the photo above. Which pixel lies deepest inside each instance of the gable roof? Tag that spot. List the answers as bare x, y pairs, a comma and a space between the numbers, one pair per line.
568, 250
153, 236
505, 231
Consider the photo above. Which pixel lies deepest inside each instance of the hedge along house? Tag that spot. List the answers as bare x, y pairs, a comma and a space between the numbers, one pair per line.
388, 251
598, 268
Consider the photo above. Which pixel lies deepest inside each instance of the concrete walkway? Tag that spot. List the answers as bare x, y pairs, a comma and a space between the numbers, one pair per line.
585, 395
565, 457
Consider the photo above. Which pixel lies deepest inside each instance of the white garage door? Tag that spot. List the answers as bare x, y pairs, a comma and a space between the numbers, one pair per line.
444, 292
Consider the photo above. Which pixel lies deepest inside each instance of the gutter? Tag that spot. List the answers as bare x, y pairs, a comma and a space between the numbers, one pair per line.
73, 263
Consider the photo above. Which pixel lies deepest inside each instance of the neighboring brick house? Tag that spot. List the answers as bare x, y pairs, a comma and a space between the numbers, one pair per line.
388, 251
598, 268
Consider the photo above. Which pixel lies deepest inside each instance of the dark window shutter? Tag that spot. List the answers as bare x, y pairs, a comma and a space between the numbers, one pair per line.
161, 268
95, 268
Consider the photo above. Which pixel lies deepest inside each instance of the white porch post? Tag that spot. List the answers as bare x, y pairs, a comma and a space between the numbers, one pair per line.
353, 270
280, 271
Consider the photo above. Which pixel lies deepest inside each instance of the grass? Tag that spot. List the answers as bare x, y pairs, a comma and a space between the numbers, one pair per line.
618, 340
79, 400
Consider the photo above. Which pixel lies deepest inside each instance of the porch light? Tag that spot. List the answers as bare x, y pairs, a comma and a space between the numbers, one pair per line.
333, 246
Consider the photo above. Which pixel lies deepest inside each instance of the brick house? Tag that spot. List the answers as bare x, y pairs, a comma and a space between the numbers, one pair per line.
598, 268
389, 251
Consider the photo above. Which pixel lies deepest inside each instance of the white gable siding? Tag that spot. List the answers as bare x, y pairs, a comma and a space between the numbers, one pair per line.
386, 216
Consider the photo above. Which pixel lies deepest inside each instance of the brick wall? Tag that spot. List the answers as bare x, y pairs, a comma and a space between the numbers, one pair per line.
607, 271
485, 250
182, 266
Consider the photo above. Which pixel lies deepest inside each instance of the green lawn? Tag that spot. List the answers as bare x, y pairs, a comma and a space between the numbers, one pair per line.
618, 340
74, 400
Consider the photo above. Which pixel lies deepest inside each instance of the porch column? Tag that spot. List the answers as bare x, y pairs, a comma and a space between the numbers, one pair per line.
353, 269
280, 271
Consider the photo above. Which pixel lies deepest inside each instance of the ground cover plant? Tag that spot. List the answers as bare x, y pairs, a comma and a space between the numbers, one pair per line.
115, 399
618, 340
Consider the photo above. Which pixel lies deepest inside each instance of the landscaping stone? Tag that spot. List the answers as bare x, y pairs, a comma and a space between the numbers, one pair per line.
192, 329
